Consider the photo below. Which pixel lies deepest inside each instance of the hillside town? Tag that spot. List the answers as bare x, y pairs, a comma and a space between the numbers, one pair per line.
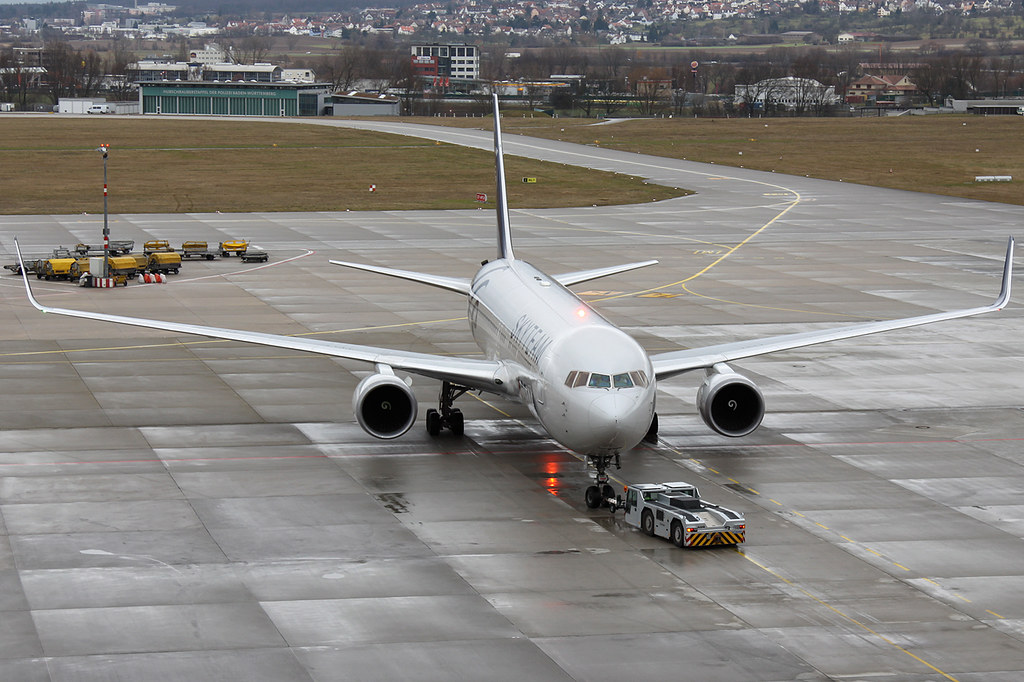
604, 21
436, 57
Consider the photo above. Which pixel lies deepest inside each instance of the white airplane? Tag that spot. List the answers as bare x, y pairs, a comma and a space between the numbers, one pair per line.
590, 385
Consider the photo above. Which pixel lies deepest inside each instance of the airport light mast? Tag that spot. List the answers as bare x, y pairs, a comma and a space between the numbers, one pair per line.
105, 149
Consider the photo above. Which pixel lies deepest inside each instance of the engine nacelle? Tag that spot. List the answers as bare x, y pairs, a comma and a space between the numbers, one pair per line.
730, 403
384, 405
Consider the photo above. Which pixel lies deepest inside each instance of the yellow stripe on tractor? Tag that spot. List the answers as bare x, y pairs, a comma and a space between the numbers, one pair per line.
712, 539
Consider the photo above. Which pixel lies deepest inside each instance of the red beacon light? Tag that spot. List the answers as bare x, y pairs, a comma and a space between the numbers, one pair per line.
581, 312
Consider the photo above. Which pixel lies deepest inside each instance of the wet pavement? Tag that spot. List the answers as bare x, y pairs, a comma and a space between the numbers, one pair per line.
180, 508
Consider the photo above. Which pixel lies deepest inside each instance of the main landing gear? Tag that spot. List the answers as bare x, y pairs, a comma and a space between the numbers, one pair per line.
652, 431
447, 416
599, 494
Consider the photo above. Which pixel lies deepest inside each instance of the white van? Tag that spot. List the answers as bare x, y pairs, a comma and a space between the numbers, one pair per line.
100, 109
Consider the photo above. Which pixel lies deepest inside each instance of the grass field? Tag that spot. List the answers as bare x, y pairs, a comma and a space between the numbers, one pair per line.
939, 154
49, 165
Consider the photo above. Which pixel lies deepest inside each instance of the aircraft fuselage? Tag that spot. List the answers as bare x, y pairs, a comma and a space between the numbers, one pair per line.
589, 383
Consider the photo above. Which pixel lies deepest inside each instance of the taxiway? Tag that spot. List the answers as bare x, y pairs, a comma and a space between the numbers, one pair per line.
178, 508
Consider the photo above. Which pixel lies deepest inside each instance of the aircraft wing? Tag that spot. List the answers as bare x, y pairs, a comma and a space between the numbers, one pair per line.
567, 279
486, 375
676, 362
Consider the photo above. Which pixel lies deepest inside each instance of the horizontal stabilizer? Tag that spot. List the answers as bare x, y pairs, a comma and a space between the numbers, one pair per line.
569, 278
457, 284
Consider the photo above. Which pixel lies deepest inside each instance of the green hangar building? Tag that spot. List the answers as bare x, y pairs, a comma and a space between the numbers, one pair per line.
233, 97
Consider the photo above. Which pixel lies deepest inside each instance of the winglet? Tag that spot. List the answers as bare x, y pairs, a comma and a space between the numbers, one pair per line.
504, 231
1004, 292
24, 277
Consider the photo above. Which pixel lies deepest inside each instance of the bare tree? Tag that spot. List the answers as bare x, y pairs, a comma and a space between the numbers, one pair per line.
494, 64
89, 74
250, 49
533, 95
119, 58
60, 62
339, 68
719, 78
965, 74
652, 96
1005, 73
930, 77
756, 83
612, 64
14, 78
385, 67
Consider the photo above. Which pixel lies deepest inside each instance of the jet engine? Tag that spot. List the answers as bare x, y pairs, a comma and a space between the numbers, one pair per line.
384, 405
730, 403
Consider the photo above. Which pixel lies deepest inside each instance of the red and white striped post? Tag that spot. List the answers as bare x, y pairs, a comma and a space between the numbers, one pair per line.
105, 148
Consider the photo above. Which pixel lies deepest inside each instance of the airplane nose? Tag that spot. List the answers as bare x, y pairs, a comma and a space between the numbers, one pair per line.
607, 414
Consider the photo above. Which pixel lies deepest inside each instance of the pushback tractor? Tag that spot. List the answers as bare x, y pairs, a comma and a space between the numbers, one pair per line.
675, 511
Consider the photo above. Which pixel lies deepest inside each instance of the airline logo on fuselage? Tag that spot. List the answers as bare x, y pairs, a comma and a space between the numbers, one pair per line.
529, 338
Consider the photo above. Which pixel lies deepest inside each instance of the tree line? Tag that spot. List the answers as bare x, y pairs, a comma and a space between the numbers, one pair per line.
605, 78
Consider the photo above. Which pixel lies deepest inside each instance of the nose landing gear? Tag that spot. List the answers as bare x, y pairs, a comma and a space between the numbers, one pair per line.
601, 494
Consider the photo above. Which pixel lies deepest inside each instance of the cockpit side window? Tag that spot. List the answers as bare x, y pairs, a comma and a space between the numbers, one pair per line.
639, 378
571, 378
581, 379
600, 381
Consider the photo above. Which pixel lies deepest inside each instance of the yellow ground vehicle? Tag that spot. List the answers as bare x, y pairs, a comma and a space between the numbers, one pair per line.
56, 268
197, 250
166, 263
123, 265
79, 268
156, 245
121, 269
233, 246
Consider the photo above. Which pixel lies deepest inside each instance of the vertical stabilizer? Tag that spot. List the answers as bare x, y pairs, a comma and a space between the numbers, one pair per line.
504, 231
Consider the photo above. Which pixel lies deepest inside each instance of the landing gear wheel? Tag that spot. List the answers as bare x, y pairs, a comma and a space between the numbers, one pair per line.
602, 491
433, 422
456, 422
678, 536
652, 432
446, 416
647, 522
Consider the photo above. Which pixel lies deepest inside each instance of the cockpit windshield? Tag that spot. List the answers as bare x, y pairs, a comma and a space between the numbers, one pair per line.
597, 380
